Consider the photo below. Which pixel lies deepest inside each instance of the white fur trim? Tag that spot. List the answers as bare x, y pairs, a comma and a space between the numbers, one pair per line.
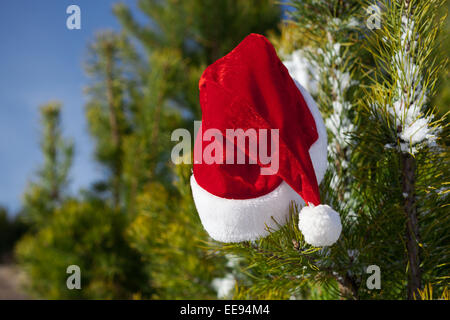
236, 220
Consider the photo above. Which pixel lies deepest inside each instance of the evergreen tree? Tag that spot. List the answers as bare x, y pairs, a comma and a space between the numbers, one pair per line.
107, 107
181, 40
90, 235
135, 102
88, 232
195, 34
388, 168
136, 233
168, 234
49, 189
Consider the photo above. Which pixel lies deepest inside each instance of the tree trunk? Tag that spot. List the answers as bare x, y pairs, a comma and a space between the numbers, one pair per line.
348, 288
412, 226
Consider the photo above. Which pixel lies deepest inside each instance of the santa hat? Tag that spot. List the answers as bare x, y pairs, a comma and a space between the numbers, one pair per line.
250, 88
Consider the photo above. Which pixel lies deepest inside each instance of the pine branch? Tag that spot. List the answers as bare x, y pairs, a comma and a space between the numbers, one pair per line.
407, 136
108, 48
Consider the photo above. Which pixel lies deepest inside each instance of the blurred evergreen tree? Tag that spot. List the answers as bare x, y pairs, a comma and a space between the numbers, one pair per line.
180, 40
168, 234
107, 108
89, 232
195, 34
49, 189
136, 233
136, 99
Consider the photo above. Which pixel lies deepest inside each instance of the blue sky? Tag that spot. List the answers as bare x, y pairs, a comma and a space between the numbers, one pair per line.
41, 60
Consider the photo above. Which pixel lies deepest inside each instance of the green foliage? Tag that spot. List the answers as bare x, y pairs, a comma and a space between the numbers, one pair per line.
47, 192
326, 34
182, 38
136, 233
441, 99
199, 32
87, 234
168, 234
66, 231
370, 194
283, 266
108, 105
332, 46
383, 151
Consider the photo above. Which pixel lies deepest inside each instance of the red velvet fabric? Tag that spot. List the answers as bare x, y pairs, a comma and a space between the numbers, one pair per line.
251, 88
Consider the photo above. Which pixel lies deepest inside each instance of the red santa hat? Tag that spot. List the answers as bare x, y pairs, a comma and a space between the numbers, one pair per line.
250, 88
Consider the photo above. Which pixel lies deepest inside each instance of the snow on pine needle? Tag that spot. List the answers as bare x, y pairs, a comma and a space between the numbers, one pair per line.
324, 68
415, 127
308, 71
339, 124
302, 70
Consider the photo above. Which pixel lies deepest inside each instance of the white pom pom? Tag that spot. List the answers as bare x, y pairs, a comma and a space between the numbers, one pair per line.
321, 225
